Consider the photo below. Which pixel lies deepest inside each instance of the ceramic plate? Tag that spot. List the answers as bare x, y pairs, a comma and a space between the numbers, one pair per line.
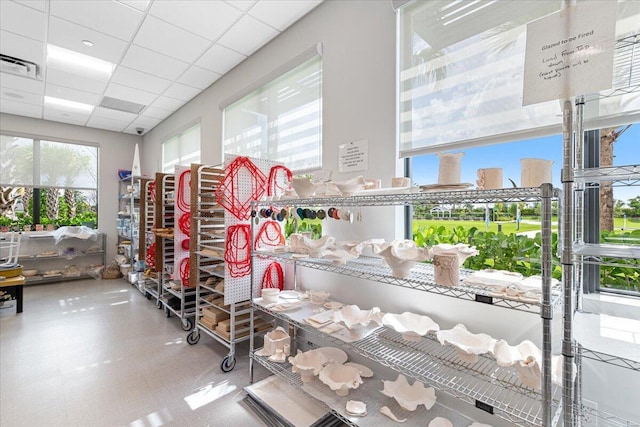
289, 294
441, 187
333, 305
365, 371
284, 306
334, 354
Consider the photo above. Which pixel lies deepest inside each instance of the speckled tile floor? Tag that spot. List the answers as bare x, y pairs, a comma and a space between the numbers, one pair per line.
97, 353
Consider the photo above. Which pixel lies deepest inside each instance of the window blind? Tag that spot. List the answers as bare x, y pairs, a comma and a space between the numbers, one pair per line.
461, 75
182, 149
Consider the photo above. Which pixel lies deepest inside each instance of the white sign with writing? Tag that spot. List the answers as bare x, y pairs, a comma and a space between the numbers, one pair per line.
353, 156
570, 52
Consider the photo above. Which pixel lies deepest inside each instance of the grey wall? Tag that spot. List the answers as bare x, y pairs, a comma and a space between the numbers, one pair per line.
116, 152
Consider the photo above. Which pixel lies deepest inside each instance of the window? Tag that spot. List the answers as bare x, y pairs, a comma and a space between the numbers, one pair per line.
47, 182
182, 149
281, 120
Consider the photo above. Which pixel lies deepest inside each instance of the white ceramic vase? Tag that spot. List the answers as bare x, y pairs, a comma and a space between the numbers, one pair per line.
401, 255
489, 178
449, 168
340, 378
535, 172
446, 269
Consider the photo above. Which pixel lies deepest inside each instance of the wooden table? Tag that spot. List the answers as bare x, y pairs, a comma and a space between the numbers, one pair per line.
15, 284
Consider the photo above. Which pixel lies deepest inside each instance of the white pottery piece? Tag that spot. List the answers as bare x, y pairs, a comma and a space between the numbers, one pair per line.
276, 340
387, 412
333, 354
303, 187
409, 396
446, 269
507, 355
535, 172
372, 183
350, 187
440, 422
467, 344
278, 356
315, 247
354, 248
355, 407
270, 295
534, 283
338, 256
463, 251
318, 297
401, 255
308, 364
340, 378
365, 372
491, 278
449, 168
557, 368
529, 371
353, 317
489, 178
412, 326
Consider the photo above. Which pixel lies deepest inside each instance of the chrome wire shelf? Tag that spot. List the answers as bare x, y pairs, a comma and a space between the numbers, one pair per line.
421, 278
504, 195
594, 418
606, 250
610, 359
483, 384
620, 175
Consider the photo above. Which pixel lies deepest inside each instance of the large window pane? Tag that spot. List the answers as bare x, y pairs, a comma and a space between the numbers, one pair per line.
68, 165
16, 161
182, 149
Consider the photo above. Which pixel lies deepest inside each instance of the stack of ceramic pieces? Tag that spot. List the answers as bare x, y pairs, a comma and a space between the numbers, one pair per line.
356, 408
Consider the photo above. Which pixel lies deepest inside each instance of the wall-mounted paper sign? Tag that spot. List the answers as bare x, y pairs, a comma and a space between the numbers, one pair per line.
353, 156
570, 52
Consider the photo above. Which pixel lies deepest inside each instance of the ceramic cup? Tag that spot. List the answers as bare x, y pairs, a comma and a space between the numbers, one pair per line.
535, 172
270, 295
489, 178
400, 181
447, 270
449, 168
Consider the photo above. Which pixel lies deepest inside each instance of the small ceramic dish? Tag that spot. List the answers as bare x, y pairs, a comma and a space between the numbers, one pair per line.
332, 305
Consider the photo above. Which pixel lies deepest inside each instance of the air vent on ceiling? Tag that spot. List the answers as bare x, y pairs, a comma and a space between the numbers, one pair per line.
19, 67
121, 105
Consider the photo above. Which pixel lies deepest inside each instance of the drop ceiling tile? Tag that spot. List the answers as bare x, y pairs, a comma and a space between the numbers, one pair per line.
137, 79
182, 92
21, 47
20, 96
138, 4
156, 113
243, 5
198, 77
26, 84
109, 17
70, 36
220, 59
22, 20
248, 35
167, 103
20, 109
62, 78
281, 14
60, 114
107, 113
72, 94
108, 124
115, 90
162, 37
209, 19
154, 63
145, 122
41, 5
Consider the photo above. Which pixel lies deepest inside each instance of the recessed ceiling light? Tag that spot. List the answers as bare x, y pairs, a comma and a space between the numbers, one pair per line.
14, 95
77, 60
87, 43
68, 104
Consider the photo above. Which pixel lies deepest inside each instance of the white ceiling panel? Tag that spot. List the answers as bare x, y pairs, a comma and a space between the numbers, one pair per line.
248, 35
115, 90
109, 17
70, 36
182, 92
62, 78
137, 79
198, 77
108, 113
23, 20
165, 52
21, 47
220, 59
72, 94
8, 106
156, 113
160, 36
41, 5
108, 124
209, 19
167, 103
154, 63
26, 84
242, 5
20, 96
281, 14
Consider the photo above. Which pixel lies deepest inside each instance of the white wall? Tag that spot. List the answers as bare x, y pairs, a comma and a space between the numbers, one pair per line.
116, 152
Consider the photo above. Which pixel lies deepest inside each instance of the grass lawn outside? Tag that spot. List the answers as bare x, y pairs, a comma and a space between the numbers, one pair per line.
508, 227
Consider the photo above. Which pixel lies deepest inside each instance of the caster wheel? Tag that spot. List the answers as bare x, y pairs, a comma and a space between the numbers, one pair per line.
167, 312
147, 295
193, 338
159, 305
187, 324
228, 363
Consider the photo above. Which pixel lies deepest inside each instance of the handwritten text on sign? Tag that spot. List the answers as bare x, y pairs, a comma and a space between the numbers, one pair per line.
353, 156
570, 53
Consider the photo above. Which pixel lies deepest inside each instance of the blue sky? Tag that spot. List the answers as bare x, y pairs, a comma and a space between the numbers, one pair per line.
507, 156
